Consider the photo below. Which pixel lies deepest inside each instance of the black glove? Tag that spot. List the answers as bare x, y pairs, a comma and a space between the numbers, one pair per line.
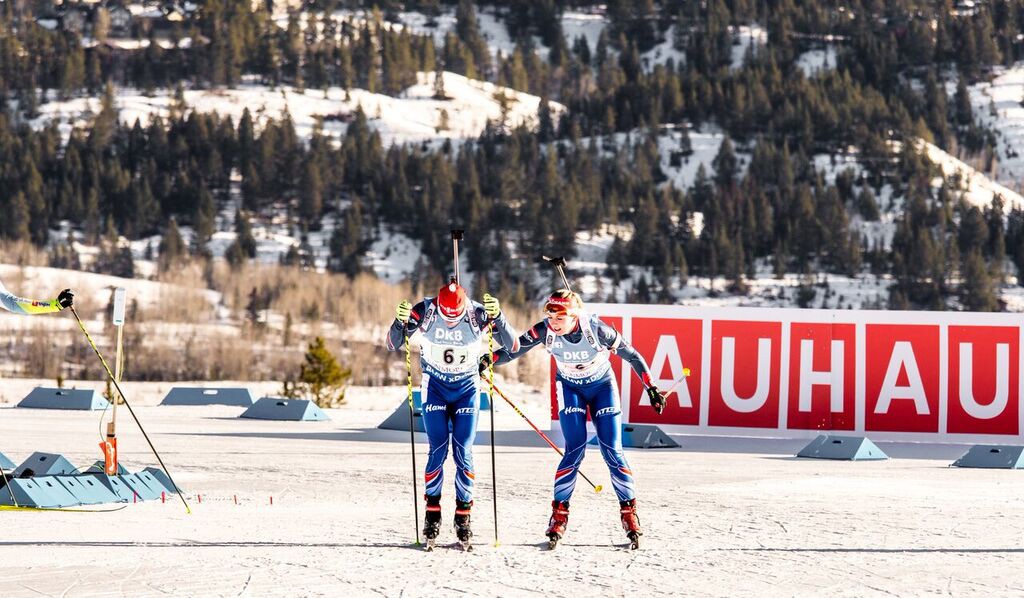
657, 399
65, 299
486, 361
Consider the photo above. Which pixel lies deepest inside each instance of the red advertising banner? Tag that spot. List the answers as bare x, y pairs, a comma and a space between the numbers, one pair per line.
902, 373
822, 376
921, 376
984, 380
668, 346
745, 374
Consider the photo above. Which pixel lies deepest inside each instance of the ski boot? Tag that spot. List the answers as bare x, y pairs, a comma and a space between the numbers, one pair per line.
462, 529
432, 521
559, 520
630, 522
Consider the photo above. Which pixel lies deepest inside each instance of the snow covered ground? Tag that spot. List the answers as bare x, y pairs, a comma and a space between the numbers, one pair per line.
704, 144
978, 189
996, 104
490, 22
815, 62
744, 37
394, 257
722, 517
415, 116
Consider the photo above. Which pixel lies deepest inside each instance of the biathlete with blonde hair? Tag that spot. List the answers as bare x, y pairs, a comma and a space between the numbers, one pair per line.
581, 345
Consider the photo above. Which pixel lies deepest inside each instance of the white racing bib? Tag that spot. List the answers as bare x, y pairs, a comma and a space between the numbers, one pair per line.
450, 360
450, 350
583, 360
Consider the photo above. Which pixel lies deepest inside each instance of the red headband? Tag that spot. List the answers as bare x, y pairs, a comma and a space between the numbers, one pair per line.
566, 304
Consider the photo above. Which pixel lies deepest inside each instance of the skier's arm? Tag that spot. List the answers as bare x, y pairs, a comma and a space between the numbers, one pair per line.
503, 331
400, 331
526, 341
20, 305
609, 337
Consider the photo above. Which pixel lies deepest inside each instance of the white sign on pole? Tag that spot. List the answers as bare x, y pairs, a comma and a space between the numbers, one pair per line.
119, 301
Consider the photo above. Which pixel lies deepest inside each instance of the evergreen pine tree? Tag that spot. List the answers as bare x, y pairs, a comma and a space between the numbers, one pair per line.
322, 377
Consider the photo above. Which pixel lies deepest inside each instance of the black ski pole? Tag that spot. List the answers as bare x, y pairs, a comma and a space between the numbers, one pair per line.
117, 386
559, 263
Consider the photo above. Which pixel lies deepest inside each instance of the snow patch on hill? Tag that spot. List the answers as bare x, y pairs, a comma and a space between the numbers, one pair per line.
393, 256
589, 25
997, 105
977, 188
663, 52
816, 62
414, 117
743, 38
681, 168
490, 22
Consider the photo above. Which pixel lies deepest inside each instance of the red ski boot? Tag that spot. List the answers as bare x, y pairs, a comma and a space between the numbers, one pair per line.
630, 522
559, 520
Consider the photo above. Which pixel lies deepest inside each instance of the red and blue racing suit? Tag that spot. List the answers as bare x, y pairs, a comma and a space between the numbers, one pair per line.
449, 356
585, 381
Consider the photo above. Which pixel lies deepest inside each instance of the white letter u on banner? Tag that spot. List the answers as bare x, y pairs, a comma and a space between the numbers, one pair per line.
764, 372
967, 400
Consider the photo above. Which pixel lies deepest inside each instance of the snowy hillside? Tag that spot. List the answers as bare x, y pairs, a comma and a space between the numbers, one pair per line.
744, 38
997, 105
815, 62
414, 117
829, 290
490, 22
978, 189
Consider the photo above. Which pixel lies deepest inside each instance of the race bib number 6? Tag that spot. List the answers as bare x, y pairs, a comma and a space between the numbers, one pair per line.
454, 358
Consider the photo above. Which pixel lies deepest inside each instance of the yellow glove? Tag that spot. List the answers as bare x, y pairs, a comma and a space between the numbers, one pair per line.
402, 311
491, 306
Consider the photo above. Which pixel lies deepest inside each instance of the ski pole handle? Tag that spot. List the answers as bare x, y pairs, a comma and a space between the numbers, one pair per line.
686, 374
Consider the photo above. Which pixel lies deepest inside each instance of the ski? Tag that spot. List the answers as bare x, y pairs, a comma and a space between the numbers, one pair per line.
466, 545
429, 546
59, 510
